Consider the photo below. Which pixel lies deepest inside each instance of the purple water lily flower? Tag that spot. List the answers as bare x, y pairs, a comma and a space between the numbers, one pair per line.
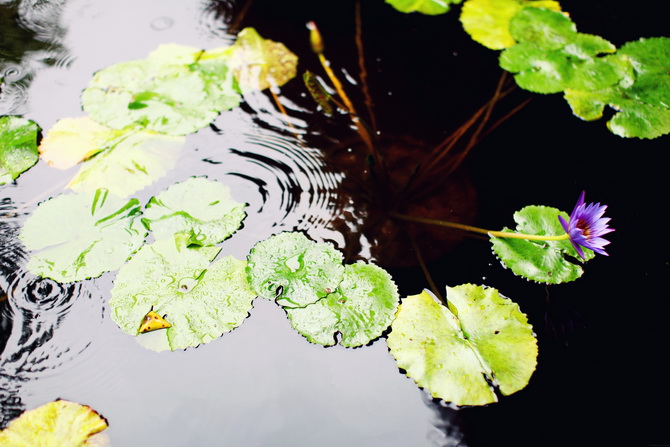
586, 226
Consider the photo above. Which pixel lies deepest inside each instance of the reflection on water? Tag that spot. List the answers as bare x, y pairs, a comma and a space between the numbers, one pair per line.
262, 384
44, 324
30, 39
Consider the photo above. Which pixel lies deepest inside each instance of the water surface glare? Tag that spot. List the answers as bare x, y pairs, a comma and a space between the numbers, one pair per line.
260, 385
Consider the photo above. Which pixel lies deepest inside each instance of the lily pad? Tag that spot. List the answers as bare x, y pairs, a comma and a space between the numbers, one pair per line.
542, 261
360, 309
79, 236
73, 140
201, 299
294, 269
165, 93
461, 353
428, 7
55, 424
200, 207
487, 21
18, 146
642, 102
129, 163
551, 56
256, 63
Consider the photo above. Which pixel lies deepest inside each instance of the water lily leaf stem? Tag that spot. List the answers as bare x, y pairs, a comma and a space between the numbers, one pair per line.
472, 229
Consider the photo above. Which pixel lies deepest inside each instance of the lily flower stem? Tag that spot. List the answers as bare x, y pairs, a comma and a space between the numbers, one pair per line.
503, 234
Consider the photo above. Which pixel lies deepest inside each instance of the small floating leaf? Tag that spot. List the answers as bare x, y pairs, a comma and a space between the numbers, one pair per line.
129, 163
317, 92
487, 21
18, 146
166, 93
79, 236
258, 63
294, 269
551, 56
201, 207
73, 140
153, 322
55, 424
456, 353
360, 309
203, 299
429, 7
541, 261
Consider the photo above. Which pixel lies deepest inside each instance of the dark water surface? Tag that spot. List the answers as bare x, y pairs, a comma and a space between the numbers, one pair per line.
599, 380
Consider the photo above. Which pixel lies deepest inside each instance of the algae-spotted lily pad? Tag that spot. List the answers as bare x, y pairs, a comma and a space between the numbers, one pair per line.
551, 56
199, 298
643, 104
130, 161
201, 207
487, 21
166, 93
55, 424
541, 261
82, 235
72, 140
294, 269
257, 63
429, 7
360, 309
18, 146
460, 353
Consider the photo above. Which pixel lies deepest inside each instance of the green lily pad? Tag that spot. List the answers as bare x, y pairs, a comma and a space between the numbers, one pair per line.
200, 207
488, 21
73, 140
642, 100
542, 261
551, 56
129, 162
294, 269
360, 309
79, 236
201, 299
256, 63
165, 93
428, 7
18, 147
56, 424
460, 353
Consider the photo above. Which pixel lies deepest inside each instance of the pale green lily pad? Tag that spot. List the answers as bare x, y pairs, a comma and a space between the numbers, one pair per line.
428, 7
541, 261
18, 147
80, 236
165, 93
551, 56
487, 21
201, 299
56, 424
130, 161
360, 309
256, 63
294, 269
73, 140
200, 207
456, 353
642, 100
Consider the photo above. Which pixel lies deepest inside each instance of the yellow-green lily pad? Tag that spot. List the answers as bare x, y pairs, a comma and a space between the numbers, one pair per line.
463, 352
55, 424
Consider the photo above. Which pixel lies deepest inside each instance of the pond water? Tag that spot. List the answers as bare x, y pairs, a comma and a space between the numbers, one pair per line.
263, 384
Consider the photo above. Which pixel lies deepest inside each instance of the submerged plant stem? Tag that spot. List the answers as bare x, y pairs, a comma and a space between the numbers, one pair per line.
424, 268
502, 234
